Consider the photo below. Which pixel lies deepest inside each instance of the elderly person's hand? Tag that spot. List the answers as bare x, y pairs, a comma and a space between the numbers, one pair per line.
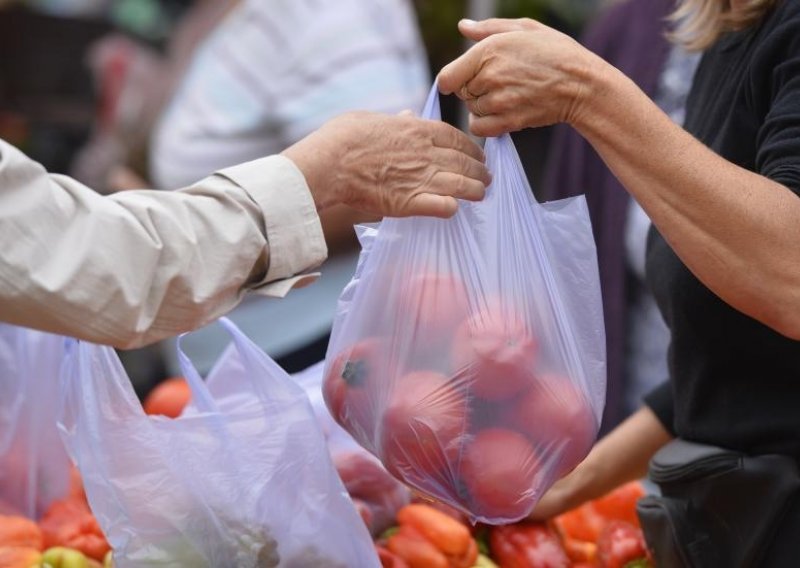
395, 166
520, 74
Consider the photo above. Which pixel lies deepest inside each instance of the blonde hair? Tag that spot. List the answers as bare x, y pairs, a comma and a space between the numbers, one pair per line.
699, 23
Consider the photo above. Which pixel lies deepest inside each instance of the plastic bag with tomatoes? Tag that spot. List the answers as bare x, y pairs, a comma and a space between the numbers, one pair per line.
34, 467
241, 478
468, 354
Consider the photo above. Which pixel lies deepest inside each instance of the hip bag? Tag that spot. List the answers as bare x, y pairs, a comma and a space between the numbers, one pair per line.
717, 508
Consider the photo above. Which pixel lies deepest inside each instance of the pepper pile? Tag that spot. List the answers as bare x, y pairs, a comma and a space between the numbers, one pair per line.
426, 537
603, 533
67, 536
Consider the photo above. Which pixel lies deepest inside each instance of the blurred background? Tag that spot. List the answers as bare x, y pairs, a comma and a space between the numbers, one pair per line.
56, 86
105, 91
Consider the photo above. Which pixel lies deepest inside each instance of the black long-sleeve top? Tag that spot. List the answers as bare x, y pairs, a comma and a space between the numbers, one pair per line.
734, 382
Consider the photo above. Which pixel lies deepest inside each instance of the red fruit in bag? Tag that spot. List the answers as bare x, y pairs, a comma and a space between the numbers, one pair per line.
422, 428
554, 414
350, 384
435, 303
494, 354
498, 471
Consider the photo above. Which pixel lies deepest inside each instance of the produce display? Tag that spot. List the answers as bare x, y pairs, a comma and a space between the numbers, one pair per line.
67, 536
603, 533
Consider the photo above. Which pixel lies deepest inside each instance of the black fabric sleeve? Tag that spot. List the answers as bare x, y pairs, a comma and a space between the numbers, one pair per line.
778, 140
661, 402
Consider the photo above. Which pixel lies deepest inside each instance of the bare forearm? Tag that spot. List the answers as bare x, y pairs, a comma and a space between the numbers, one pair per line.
622, 456
731, 227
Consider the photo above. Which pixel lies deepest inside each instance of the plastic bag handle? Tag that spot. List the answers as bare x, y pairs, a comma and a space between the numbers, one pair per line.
432, 109
203, 399
201, 396
281, 384
76, 395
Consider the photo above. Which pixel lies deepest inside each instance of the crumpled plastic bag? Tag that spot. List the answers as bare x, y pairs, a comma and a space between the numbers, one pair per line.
241, 479
34, 467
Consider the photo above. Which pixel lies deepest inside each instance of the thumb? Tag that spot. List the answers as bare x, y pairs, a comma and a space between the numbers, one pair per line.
477, 31
458, 73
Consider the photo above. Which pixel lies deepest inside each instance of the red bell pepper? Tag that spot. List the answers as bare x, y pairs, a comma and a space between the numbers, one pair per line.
527, 545
619, 544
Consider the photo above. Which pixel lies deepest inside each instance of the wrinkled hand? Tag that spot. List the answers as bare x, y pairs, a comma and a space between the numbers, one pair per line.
393, 166
520, 74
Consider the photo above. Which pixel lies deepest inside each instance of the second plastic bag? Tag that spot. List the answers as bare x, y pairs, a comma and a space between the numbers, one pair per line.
34, 467
468, 354
241, 479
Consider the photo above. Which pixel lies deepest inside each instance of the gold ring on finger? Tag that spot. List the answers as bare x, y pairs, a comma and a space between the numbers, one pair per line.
466, 94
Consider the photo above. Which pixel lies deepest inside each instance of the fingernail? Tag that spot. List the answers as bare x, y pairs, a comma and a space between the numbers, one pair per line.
467, 22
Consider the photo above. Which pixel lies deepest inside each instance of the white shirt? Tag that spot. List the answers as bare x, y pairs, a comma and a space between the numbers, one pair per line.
135, 267
276, 70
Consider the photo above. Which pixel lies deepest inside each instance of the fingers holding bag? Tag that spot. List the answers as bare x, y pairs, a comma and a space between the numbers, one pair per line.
431, 164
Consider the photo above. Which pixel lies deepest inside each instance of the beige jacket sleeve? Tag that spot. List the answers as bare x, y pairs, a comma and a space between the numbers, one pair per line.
135, 267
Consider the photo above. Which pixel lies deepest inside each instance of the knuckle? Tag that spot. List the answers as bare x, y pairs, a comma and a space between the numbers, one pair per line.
460, 187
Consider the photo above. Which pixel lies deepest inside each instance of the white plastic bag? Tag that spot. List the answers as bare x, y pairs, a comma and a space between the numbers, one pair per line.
34, 467
469, 354
242, 478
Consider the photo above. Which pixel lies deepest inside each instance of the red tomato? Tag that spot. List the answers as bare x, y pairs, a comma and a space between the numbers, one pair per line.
351, 384
169, 398
435, 303
494, 354
498, 470
619, 544
422, 430
555, 414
